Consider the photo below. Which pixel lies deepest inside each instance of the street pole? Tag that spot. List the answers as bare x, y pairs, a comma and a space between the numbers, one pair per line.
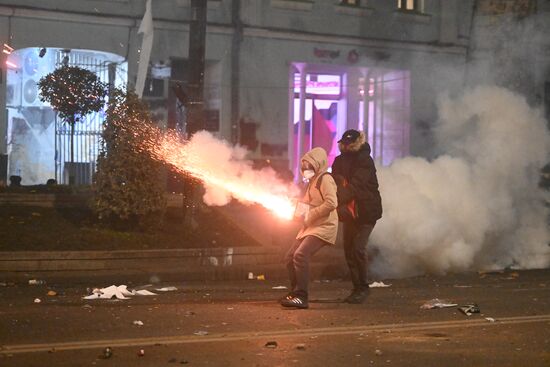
195, 106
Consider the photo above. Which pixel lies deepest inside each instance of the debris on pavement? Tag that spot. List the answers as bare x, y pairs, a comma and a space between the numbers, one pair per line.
120, 292
469, 309
279, 287
201, 333
271, 344
37, 300
166, 289
250, 276
437, 303
378, 352
301, 346
36, 282
52, 293
138, 322
490, 319
107, 352
141, 352
379, 285
260, 277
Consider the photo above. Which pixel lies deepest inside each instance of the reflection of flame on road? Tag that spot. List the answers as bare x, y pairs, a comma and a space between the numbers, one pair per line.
223, 172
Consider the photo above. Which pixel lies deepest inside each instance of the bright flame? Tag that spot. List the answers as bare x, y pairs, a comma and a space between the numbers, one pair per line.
223, 169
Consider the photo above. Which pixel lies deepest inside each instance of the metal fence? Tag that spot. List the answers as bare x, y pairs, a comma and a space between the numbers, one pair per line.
87, 132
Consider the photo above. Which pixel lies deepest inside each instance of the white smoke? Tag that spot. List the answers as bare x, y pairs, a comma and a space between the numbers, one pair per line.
229, 164
478, 206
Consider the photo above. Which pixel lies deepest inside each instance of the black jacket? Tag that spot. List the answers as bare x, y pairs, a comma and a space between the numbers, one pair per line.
355, 176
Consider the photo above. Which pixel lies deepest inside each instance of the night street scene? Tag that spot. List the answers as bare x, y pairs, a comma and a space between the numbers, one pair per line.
275, 183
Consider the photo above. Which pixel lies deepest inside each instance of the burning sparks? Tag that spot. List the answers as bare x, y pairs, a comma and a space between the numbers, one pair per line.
224, 172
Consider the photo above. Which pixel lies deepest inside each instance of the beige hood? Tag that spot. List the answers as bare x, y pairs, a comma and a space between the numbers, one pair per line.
318, 159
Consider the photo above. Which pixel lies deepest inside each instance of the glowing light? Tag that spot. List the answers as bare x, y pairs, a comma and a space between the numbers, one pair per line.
243, 186
11, 64
7, 49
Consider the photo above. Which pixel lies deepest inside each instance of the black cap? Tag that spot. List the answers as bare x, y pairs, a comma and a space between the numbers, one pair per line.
349, 136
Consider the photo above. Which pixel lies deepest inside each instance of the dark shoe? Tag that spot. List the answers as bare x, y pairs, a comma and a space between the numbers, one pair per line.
289, 295
296, 301
357, 297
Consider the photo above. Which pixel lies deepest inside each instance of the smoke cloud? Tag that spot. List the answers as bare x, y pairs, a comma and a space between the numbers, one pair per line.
477, 206
216, 158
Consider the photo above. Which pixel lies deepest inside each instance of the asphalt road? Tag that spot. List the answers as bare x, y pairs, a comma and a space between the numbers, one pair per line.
230, 323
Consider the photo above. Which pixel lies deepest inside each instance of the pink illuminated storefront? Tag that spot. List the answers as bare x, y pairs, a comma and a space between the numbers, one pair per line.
326, 100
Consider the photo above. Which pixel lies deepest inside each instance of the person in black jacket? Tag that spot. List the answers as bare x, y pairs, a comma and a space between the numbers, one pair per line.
359, 206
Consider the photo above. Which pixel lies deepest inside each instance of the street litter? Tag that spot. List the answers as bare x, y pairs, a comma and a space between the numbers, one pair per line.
107, 352
166, 289
437, 303
36, 282
250, 276
52, 293
201, 333
469, 309
378, 285
301, 346
490, 319
138, 322
120, 292
279, 287
37, 300
271, 344
141, 353
378, 352
260, 277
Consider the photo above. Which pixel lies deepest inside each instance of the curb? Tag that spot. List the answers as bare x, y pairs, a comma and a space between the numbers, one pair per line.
194, 264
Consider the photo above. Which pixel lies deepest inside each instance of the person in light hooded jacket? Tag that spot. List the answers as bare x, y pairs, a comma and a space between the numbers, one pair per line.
320, 225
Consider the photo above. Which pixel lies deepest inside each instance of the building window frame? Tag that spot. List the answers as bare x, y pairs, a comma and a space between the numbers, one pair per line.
351, 3
411, 6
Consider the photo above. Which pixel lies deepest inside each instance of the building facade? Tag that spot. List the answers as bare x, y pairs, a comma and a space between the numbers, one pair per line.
281, 75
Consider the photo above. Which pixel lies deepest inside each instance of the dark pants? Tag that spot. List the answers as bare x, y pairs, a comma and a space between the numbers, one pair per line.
356, 238
297, 262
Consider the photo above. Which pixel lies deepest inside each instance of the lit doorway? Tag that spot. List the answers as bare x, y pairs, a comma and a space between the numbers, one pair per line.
38, 142
331, 100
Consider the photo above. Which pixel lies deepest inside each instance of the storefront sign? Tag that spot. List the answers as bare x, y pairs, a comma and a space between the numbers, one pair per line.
326, 54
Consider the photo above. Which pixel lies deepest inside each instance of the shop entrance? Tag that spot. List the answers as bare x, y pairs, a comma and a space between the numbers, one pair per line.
326, 101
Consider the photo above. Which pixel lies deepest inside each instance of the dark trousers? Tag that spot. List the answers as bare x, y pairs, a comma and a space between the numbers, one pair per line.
297, 262
356, 238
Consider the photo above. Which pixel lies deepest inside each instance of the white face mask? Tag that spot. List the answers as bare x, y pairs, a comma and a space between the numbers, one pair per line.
308, 173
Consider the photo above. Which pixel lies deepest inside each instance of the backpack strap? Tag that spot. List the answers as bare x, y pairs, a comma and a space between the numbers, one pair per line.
318, 183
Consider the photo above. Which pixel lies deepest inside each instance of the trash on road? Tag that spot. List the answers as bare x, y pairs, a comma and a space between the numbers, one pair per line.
279, 287
141, 352
138, 322
490, 319
260, 277
378, 352
271, 344
201, 333
37, 300
36, 282
166, 289
120, 292
107, 352
250, 276
52, 293
437, 303
469, 309
301, 346
379, 285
